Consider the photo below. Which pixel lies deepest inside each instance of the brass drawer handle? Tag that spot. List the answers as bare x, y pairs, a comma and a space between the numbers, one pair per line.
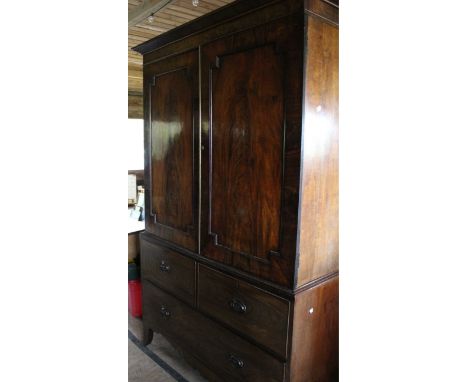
237, 306
164, 312
163, 267
236, 361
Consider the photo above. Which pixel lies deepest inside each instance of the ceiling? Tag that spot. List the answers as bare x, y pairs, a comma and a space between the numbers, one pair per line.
171, 15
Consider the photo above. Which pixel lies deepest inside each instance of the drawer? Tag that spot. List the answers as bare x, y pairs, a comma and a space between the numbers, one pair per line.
251, 311
169, 270
228, 356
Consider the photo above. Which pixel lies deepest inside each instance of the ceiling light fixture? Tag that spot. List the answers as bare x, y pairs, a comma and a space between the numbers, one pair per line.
150, 18
195, 3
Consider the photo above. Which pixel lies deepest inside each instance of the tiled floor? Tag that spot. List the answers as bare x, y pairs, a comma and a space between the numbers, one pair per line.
160, 363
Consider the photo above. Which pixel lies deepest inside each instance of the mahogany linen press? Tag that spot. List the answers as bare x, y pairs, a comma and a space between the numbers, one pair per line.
239, 257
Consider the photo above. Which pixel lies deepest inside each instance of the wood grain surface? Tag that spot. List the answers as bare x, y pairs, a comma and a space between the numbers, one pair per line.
314, 351
248, 310
318, 246
169, 270
251, 125
171, 136
227, 355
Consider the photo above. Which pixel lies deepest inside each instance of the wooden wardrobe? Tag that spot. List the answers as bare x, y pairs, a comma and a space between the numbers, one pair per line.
239, 257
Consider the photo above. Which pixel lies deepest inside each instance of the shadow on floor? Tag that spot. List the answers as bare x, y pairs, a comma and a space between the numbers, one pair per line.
158, 362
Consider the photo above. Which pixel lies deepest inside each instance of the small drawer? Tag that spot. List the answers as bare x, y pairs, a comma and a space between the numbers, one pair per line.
227, 355
251, 311
169, 270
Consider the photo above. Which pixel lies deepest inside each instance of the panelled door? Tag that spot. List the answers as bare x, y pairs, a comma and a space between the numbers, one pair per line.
251, 119
172, 149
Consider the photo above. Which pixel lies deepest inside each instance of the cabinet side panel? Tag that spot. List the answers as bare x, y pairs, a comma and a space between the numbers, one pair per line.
314, 351
318, 245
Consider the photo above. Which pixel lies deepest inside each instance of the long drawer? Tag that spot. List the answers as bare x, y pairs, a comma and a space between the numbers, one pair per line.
230, 357
251, 311
169, 270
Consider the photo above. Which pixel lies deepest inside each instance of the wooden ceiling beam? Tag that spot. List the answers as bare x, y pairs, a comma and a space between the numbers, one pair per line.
135, 74
135, 94
144, 10
135, 61
187, 11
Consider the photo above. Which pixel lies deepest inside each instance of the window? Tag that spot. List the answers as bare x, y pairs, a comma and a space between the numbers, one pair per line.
135, 150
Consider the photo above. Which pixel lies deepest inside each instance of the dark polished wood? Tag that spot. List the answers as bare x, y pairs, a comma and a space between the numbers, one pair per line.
250, 171
314, 350
171, 271
247, 145
228, 270
263, 284
319, 206
256, 314
237, 22
240, 253
229, 356
172, 150
172, 155
220, 15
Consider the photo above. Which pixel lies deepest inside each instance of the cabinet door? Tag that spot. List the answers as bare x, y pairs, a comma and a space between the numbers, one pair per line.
172, 149
251, 120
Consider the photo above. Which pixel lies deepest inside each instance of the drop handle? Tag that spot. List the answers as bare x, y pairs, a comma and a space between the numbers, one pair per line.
163, 267
237, 306
236, 361
164, 312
